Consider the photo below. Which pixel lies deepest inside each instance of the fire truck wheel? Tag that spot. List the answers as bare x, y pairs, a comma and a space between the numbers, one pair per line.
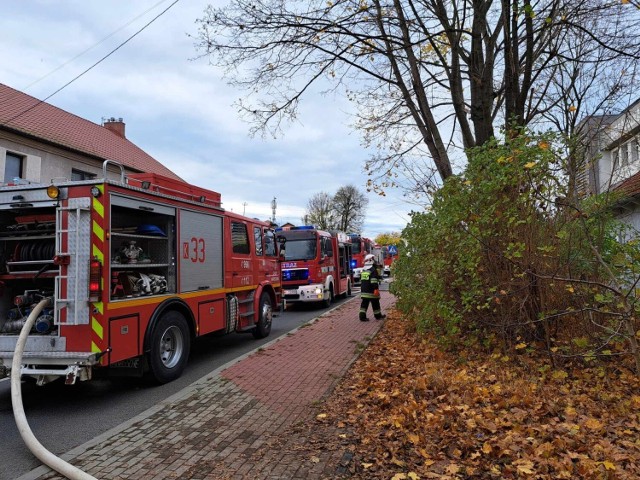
329, 300
170, 344
263, 327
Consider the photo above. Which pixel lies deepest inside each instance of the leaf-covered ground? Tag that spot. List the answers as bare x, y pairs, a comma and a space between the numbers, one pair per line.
407, 410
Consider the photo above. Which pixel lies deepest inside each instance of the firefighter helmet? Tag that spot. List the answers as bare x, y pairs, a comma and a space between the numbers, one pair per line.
369, 259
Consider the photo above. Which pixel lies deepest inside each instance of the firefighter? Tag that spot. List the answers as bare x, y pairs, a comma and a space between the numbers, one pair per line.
369, 289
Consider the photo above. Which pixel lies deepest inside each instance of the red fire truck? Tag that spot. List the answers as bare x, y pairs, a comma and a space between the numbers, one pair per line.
389, 253
360, 248
316, 266
134, 269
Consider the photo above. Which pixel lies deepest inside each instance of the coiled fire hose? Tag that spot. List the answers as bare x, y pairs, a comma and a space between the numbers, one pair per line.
44, 455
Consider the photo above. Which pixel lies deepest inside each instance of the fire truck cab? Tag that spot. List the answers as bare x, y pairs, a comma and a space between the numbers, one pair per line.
132, 270
360, 248
316, 265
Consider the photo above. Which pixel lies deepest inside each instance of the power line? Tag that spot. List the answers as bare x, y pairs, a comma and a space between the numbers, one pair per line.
59, 67
94, 65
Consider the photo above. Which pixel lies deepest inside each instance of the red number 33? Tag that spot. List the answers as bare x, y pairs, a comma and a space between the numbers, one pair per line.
198, 250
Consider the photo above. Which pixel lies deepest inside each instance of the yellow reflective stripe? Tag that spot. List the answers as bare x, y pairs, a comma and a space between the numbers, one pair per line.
98, 231
98, 253
97, 328
95, 348
99, 306
97, 204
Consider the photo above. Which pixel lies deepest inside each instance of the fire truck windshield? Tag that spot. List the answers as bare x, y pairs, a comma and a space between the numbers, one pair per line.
300, 249
355, 248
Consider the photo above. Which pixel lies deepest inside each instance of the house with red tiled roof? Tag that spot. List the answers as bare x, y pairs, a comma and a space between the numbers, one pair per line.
613, 142
40, 142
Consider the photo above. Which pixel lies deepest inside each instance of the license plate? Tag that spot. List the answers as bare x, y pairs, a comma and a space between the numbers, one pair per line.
290, 292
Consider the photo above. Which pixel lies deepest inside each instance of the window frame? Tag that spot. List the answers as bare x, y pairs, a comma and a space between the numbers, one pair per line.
81, 173
270, 240
9, 155
257, 239
240, 248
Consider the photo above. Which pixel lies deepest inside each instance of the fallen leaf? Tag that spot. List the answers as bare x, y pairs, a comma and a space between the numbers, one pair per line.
608, 465
526, 467
593, 424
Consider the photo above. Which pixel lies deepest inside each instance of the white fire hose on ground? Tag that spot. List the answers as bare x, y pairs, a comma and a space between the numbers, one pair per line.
44, 455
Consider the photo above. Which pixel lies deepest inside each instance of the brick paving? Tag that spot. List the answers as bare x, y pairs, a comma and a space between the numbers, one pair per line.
249, 420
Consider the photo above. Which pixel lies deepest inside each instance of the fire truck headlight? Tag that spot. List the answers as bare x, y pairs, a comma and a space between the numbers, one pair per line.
318, 291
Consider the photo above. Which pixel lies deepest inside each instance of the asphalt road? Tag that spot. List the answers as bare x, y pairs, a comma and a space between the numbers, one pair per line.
63, 416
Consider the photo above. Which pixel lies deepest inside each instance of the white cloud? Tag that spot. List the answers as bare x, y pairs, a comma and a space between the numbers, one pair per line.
180, 110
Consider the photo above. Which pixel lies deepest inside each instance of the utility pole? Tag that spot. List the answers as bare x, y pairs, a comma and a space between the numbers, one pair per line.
274, 204
244, 207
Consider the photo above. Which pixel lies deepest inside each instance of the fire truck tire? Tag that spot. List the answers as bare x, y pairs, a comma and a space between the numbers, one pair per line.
265, 312
329, 300
170, 345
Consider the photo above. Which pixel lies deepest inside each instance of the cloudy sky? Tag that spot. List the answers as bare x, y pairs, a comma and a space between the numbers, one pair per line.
180, 110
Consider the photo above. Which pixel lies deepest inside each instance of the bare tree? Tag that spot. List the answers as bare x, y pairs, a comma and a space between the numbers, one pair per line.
320, 211
350, 206
430, 78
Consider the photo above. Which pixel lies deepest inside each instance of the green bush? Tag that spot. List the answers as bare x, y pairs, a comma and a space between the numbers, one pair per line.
506, 251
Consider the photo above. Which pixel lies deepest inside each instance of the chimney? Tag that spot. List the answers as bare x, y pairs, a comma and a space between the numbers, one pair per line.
116, 125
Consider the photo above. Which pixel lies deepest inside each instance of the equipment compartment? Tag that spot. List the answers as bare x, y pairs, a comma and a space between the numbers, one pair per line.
27, 248
142, 246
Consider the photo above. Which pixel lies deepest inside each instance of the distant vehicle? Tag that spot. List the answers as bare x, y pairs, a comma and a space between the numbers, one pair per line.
389, 254
360, 248
316, 265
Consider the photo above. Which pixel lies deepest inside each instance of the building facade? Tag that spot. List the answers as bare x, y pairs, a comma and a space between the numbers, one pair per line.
613, 145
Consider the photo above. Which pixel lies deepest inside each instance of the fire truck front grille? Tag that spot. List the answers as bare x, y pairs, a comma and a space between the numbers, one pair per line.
292, 275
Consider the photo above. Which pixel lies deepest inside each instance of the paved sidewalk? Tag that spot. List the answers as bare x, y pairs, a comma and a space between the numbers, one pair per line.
236, 422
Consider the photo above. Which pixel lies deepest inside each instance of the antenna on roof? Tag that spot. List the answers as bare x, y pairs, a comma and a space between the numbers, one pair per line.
274, 204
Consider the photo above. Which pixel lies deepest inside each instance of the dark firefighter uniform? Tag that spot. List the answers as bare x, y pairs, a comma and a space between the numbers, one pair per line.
369, 292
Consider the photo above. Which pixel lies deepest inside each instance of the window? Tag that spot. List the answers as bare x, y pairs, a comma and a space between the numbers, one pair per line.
80, 175
270, 243
327, 248
239, 238
624, 155
257, 237
300, 249
13, 166
614, 160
